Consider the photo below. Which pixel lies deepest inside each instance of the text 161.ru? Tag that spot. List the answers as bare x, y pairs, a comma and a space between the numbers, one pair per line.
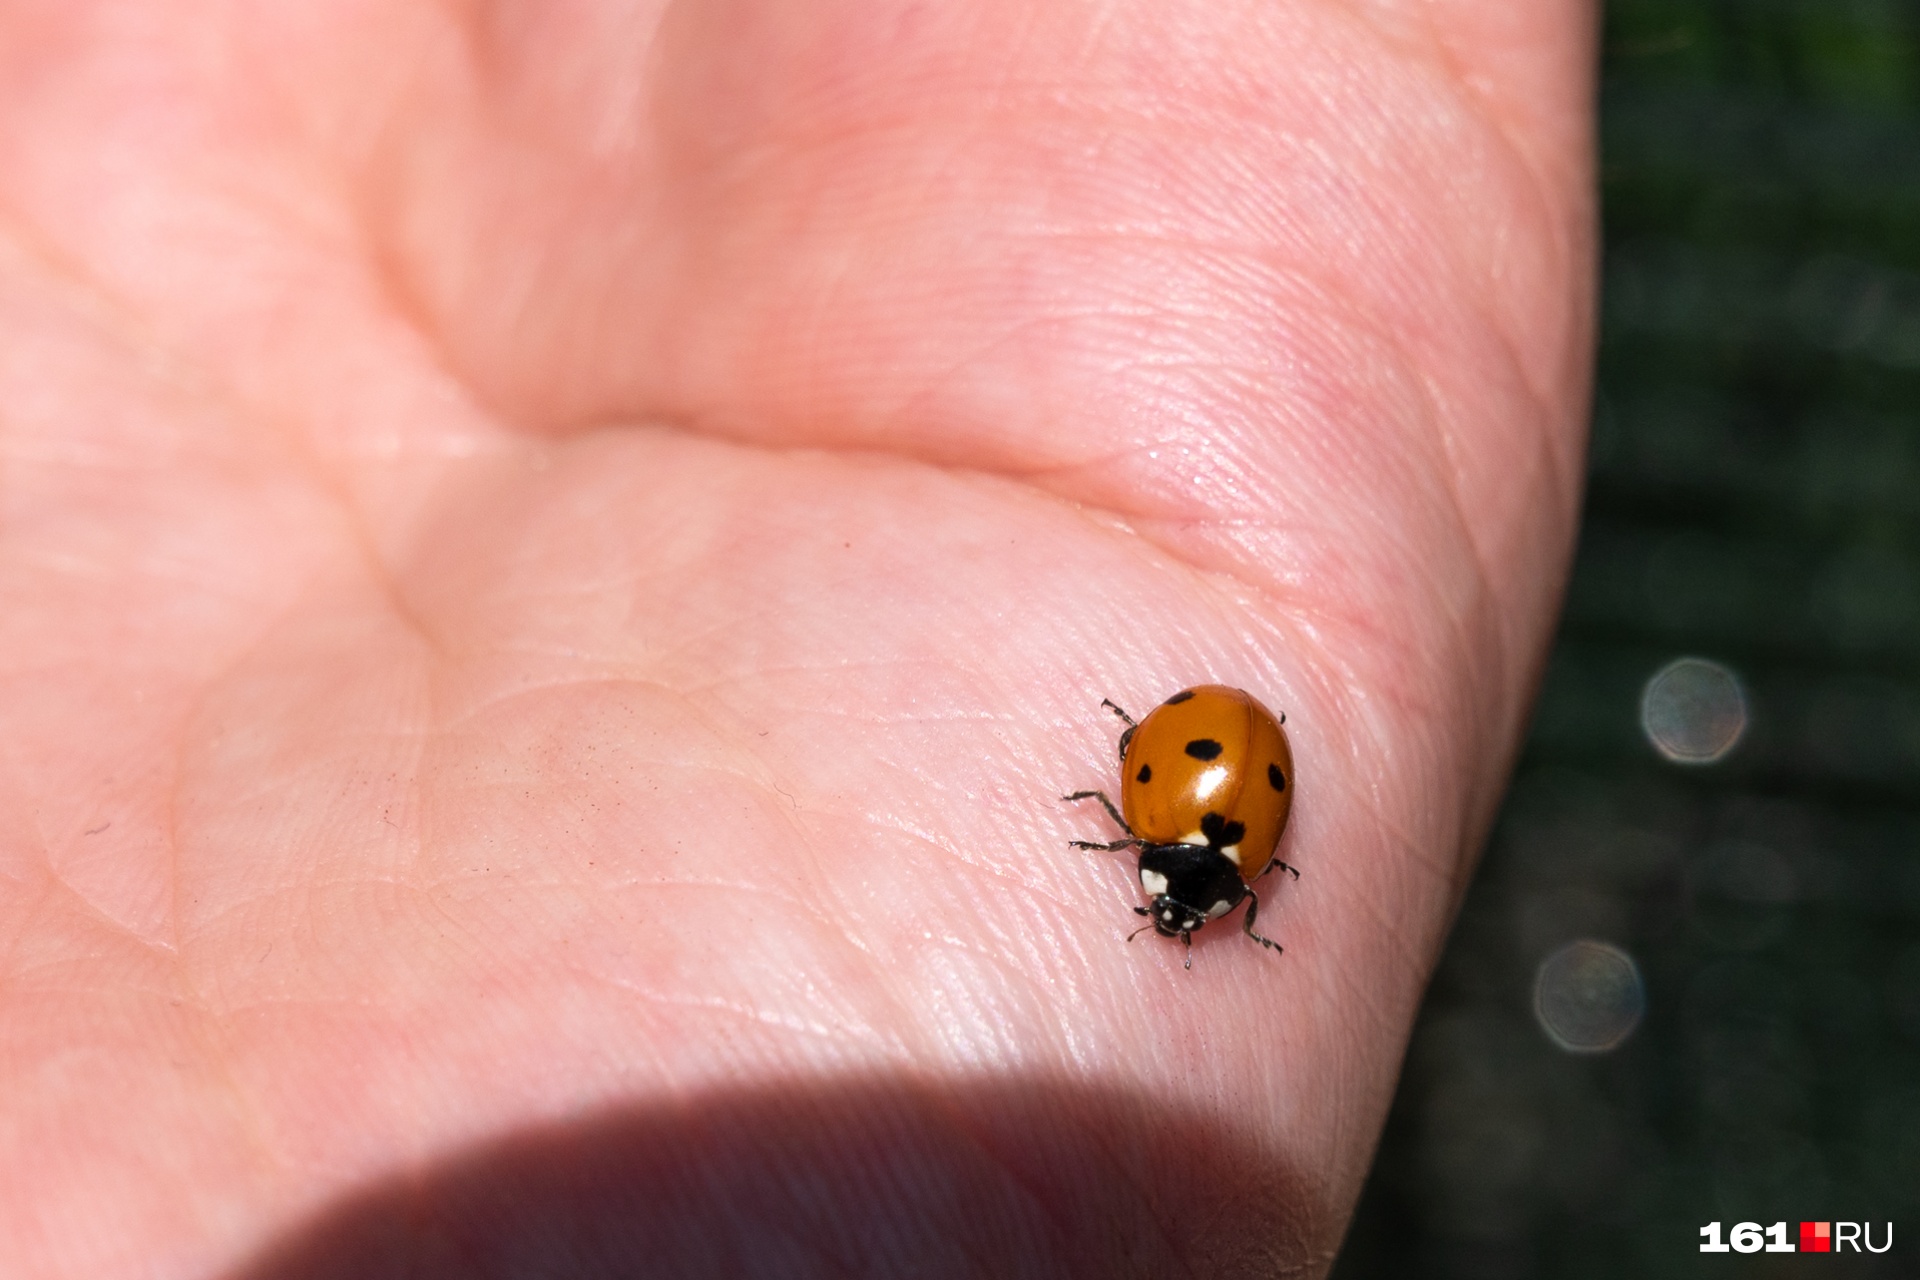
1815, 1237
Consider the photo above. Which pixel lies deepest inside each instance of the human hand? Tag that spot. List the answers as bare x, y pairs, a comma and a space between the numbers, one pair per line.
558, 559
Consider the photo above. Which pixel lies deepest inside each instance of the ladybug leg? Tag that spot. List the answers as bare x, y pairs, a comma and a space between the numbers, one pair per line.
1188, 939
1246, 924
1126, 737
1294, 872
1106, 804
1115, 847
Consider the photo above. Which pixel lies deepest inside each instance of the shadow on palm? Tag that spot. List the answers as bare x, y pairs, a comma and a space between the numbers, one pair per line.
863, 1177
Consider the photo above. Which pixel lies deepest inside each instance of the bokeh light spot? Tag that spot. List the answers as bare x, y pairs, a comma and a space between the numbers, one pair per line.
1693, 711
1588, 997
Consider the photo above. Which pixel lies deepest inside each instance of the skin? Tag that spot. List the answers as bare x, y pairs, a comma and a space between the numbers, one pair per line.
555, 560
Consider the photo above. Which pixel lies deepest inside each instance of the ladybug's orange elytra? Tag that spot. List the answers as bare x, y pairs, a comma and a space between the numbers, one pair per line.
1210, 766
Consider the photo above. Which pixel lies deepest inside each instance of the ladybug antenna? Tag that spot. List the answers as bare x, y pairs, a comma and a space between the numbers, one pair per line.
1137, 932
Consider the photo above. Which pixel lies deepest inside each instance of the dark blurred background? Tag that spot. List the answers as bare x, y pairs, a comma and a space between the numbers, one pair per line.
1739, 833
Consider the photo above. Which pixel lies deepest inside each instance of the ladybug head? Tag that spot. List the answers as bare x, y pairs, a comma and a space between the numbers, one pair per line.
1171, 919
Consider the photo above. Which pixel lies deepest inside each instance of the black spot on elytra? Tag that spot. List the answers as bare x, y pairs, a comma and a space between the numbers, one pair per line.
1179, 697
1276, 778
1145, 774
1220, 833
1203, 749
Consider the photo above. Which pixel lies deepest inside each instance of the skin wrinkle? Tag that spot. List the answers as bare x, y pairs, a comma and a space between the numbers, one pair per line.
809, 1243
463, 931
89, 295
973, 949
1474, 621
996, 91
1179, 552
315, 224
1398, 944
27, 814
958, 854
694, 642
723, 887
828, 922
1170, 558
389, 285
1104, 17
386, 584
1381, 753
1390, 647
923, 405
499, 700
1539, 395
964, 1025
1206, 411
1024, 889
187, 375
157, 570
61, 452
199, 711
1210, 256
1455, 476
305, 892
892, 1001
1414, 853
203, 385
834, 1034
21, 879
1539, 185
1034, 1190
764, 787
11, 971
1176, 553
761, 702
323, 766
213, 1035
1477, 812
1041, 321
1206, 578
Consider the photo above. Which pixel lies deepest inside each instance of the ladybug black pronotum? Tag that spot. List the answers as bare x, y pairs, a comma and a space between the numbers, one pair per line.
1206, 785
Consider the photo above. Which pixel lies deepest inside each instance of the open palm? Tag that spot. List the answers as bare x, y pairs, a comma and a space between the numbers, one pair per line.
558, 559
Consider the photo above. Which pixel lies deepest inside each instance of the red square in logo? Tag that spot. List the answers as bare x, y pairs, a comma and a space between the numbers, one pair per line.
1816, 1237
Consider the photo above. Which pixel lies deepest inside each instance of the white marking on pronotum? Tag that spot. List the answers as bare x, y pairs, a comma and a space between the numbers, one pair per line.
1152, 881
1194, 837
1220, 908
1233, 854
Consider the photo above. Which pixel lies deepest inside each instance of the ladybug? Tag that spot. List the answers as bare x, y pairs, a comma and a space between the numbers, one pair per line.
1206, 785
